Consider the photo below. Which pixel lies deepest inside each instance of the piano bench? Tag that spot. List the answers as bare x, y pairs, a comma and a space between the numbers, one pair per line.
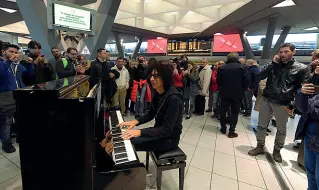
172, 159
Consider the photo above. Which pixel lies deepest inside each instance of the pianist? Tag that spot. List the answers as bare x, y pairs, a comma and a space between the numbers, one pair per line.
166, 108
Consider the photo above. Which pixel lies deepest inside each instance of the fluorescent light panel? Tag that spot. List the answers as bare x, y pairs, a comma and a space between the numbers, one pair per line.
286, 3
8, 10
312, 28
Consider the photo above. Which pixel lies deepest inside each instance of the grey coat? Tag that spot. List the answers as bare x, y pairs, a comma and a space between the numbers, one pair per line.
193, 89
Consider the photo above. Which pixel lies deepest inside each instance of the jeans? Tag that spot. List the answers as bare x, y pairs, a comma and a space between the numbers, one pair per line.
311, 160
154, 144
249, 100
140, 105
234, 108
266, 112
190, 105
213, 98
5, 126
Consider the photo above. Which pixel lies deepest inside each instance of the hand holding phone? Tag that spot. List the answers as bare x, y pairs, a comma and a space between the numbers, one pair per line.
276, 59
309, 89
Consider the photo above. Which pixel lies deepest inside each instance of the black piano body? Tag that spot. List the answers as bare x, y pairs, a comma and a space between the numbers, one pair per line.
58, 143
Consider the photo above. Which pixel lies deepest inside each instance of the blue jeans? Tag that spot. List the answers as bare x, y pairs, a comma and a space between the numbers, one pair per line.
5, 126
311, 161
140, 105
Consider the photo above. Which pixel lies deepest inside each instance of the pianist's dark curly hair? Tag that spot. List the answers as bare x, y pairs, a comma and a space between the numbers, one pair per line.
164, 70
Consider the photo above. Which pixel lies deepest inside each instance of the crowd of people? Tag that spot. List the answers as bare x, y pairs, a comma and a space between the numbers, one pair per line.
172, 90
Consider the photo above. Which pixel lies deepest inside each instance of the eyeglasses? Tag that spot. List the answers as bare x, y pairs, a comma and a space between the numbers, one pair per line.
153, 75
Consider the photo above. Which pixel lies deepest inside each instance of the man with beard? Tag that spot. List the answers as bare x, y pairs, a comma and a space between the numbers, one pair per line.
284, 77
69, 66
56, 56
43, 71
11, 73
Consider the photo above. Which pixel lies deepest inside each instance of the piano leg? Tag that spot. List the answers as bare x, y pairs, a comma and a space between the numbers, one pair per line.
159, 178
147, 160
181, 178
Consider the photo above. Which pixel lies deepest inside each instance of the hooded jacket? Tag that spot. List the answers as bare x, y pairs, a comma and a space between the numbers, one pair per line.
283, 81
124, 79
204, 80
167, 109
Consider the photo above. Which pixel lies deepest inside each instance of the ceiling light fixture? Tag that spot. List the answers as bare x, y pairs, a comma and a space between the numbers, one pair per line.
312, 28
246, 32
218, 34
8, 10
286, 3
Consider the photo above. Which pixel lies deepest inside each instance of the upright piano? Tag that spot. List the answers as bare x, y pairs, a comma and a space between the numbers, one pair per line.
61, 124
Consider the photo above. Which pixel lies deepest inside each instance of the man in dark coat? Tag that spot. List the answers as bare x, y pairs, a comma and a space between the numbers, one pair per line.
101, 70
233, 81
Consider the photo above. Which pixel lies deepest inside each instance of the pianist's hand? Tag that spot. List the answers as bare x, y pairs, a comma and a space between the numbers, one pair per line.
128, 134
129, 124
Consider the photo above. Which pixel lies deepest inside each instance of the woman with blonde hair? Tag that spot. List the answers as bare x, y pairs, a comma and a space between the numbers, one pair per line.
190, 80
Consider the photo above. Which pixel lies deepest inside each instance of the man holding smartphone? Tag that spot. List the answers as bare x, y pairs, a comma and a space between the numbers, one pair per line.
284, 77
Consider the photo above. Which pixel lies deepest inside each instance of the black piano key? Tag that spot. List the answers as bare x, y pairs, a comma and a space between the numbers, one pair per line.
119, 150
120, 144
120, 156
122, 161
118, 140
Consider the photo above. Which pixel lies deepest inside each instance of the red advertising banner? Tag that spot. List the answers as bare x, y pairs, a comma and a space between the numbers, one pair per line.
157, 46
227, 43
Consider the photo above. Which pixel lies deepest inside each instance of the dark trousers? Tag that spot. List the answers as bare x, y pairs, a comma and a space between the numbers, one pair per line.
154, 144
201, 103
234, 110
127, 100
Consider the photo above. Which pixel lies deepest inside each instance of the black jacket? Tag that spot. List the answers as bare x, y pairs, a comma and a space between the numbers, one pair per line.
7, 104
140, 73
168, 114
43, 72
233, 80
100, 71
253, 77
283, 81
68, 71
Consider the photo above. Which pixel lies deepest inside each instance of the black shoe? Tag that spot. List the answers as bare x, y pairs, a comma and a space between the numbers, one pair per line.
214, 116
13, 135
187, 117
223, 130
232, 135
268, 130
201, 113
209, 110
247, 114
277, 156
137, 116
242, 111
8, 147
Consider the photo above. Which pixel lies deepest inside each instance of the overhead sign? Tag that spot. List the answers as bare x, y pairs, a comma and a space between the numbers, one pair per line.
72, 17
157, 46
227, 43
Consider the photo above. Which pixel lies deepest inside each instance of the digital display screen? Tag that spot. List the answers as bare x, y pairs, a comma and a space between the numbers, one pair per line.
157, 46
227, 43
70, 17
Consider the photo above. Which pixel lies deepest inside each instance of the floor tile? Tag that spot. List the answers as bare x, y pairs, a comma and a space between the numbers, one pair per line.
188, 150
210, 129
242, 137
222, 183
297, 179
9, 172
213, 122
241, 150
186, 124
203, 159
224, 145
249, 172
207, 140
225, 165
244, 186
14, 183
4, 163
200, 119
141, 156
268, 175
197, 179
196, 127
191, 138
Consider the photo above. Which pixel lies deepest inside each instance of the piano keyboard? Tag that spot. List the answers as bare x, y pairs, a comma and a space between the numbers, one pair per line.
123, 149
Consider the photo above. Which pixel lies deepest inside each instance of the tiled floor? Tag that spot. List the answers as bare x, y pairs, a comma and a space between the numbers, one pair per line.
213, 160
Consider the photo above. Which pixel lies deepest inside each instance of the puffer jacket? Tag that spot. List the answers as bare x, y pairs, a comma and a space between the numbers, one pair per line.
283, 81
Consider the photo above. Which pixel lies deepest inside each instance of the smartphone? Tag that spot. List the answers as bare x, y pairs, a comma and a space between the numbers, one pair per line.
316, 89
